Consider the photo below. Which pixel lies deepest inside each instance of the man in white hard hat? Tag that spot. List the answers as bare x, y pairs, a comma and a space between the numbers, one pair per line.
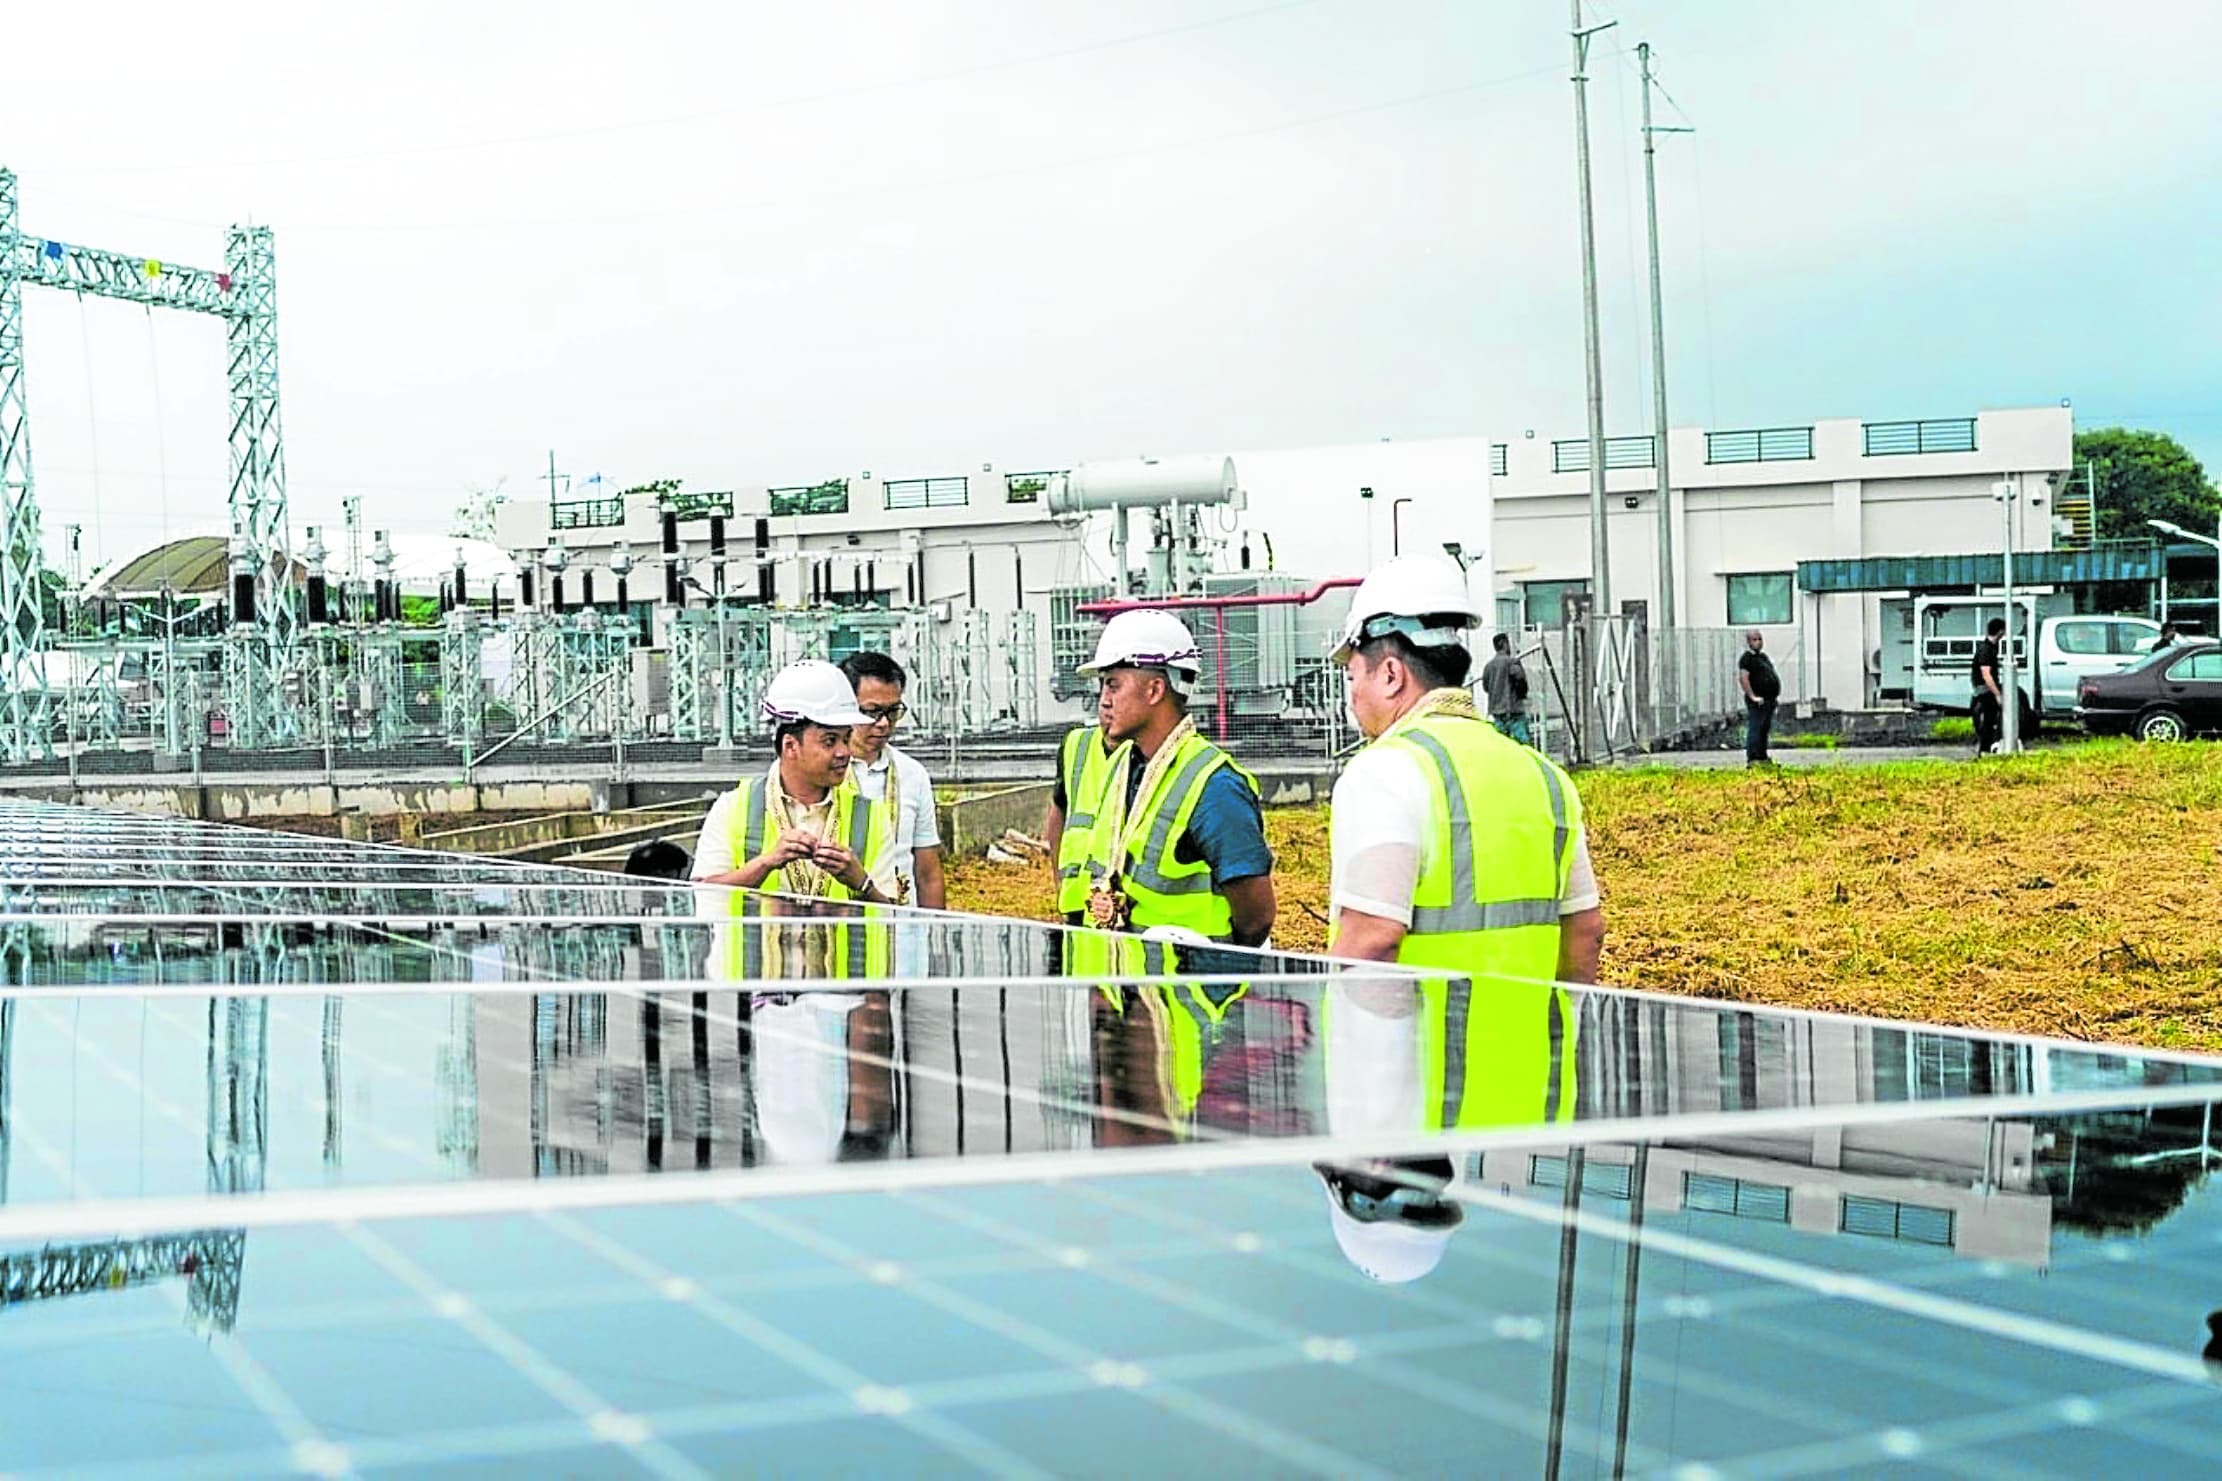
1459, 851
1178, 837
802, 828
1453, 846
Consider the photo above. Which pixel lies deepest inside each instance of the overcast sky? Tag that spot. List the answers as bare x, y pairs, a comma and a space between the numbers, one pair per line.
747, 243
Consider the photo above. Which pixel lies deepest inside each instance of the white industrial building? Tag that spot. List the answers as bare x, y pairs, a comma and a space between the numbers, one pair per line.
1750, 506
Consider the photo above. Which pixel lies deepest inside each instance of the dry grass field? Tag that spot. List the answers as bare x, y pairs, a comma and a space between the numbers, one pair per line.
2073, 891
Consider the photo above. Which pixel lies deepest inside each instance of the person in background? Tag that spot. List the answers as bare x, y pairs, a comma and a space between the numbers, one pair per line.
2169, 637
1505, 681
891, 777
658, 858
1755, 675
1075, 797
1987, 706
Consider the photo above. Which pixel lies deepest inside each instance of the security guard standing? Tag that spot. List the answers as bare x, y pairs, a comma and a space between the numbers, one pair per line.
1177, 837
1457, 849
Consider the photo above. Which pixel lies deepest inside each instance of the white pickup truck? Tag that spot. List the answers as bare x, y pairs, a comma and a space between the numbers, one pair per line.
2068, 648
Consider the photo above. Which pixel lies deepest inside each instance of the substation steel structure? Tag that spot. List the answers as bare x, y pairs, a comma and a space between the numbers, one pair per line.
266, 632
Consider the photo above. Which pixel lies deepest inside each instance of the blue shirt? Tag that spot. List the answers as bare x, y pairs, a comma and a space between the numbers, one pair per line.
1226, 831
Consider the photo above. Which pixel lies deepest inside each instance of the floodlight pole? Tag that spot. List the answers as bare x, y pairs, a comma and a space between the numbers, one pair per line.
1658, 348
1600, 558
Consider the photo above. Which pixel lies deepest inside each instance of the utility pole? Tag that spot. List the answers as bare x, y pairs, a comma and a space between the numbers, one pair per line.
1600, 577
1658, 351
553, 493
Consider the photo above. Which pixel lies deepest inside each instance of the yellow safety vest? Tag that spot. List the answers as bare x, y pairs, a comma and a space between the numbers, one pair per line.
1085, 765
1504, 818
1497, 1040
1164, 890
1188, 1016
861, 942
1488, 1053
859, 822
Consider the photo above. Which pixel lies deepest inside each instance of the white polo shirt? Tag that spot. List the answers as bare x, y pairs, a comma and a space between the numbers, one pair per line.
1382, 835
916, 827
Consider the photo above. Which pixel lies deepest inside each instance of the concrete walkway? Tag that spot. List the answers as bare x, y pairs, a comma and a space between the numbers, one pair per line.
1795, 759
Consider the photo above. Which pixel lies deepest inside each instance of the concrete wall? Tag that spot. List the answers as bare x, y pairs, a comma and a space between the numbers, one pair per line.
245, 801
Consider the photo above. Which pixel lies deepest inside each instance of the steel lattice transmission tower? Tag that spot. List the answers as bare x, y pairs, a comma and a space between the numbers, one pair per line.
244, 295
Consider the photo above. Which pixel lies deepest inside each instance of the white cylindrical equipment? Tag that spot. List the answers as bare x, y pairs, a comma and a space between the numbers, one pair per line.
1145, 482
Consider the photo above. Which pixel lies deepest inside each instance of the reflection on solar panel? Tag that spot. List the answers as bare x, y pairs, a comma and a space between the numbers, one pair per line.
331, 1157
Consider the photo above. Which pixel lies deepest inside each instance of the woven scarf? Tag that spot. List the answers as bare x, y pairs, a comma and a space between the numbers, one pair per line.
803, 877
892, 801
1448, 704
1115, 815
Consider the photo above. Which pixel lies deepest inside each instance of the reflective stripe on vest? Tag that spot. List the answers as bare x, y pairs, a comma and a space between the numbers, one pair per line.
1149, 867
1162, 888
1456, 1008
1465, 912
1086, 772
862, 839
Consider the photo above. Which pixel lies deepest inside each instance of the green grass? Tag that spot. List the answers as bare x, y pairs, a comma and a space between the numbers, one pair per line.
1816, 740
2073, 891
1953, 728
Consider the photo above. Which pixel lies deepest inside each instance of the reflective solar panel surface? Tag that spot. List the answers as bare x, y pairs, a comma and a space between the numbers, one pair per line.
332, 1158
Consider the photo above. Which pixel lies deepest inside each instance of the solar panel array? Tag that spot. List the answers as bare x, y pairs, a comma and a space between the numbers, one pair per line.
329, 1157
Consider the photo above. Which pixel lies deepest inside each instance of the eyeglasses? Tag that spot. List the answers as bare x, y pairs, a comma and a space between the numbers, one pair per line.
874, 714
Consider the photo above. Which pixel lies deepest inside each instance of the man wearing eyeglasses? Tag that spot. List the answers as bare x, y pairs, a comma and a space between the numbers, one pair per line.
891, 776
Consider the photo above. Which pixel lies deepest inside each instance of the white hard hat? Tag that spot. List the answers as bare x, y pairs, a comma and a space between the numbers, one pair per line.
1389, 1253
1146, 638
1423, 597
812, 690
1390, 1246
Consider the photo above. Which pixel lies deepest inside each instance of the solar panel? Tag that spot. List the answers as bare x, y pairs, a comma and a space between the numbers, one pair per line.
334, 1157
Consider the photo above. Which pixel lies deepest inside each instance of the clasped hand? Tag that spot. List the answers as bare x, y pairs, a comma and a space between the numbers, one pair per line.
828, 855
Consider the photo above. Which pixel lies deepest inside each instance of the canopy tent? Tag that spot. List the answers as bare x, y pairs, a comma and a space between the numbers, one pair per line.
197, 565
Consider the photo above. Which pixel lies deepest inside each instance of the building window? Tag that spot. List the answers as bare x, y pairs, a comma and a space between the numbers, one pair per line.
928, 493
1025, 488
1761, 600
1600, 1179
1497, 454
830, 497
1761, 445
1707, 1194
1882, 1218
1938, 435
1542, 603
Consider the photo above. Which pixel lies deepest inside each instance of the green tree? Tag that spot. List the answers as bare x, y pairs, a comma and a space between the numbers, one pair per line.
2145, 475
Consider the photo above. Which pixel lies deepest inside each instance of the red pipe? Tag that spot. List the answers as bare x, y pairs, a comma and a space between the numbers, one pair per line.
1263, 599
1219, 626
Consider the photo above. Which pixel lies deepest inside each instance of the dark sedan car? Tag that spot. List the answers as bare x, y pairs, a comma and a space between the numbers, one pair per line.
2171, 695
